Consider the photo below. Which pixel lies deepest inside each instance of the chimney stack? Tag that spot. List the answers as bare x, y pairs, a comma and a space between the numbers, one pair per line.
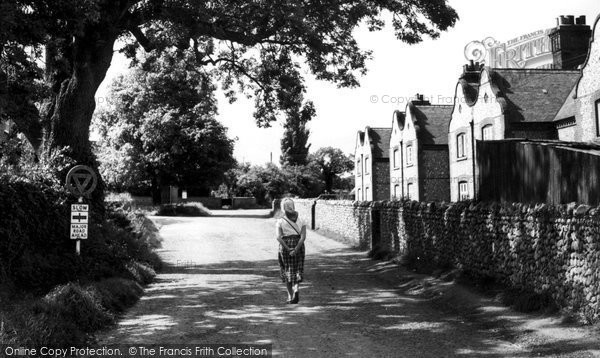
570, 42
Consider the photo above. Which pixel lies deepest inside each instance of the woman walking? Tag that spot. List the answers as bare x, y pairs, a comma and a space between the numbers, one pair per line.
291, 249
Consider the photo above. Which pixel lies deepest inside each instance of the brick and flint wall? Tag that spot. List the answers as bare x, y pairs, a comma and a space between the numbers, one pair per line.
435, 173
381, 179
547, 249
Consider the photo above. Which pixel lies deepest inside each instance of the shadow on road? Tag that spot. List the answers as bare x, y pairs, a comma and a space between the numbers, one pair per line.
344, 310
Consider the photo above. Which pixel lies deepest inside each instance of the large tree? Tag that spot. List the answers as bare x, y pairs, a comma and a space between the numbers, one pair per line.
294, 144
240, 39
160, 128
332, 163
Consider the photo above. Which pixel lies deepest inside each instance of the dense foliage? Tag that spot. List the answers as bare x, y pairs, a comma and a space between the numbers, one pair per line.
333, 163
252, 45
35, 251
269, 182
160, 128
294, 144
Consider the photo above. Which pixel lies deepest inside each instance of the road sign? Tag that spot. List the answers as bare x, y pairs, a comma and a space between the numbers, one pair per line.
79, 231
80, 207
81, 180
79, 217
79, 221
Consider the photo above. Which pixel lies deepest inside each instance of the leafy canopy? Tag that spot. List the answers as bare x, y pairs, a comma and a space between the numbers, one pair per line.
252, 44
161, 125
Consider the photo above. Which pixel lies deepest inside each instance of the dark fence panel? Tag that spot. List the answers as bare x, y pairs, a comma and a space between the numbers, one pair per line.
537, 172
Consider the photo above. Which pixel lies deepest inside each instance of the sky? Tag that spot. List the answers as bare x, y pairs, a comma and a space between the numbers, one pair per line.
397, 72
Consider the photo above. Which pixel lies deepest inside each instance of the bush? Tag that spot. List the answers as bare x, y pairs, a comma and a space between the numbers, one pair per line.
188, 209
117, 294
39, 302
141, 273
75, 304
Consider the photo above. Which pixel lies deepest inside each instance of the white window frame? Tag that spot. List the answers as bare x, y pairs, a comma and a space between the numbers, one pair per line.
397, 191
367, 165
489, 129
410, 188
461, 145
367, 193
358, 167
463, 191
409, 154
597, 104
396, 158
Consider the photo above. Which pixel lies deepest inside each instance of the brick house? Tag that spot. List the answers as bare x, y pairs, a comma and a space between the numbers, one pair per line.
579, 118
419, 167
495, 104
372, 180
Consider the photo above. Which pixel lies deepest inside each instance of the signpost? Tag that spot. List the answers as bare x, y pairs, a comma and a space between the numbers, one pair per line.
81, 181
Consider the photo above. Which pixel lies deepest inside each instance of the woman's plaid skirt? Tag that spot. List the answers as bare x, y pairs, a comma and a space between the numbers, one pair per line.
291, 268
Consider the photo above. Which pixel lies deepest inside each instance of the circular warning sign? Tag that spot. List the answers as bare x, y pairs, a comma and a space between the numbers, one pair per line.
81, 180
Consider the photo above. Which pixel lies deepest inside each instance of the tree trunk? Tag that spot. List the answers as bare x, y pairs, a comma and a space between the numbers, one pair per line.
80, 69
68, 118
156, 190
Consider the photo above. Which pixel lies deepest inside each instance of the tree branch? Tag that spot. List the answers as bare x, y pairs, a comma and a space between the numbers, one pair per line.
141, 38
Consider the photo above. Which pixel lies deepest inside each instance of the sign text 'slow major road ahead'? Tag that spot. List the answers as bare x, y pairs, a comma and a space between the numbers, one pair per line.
79, 221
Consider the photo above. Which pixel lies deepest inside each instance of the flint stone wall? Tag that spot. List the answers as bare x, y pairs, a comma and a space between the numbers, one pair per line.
547, 249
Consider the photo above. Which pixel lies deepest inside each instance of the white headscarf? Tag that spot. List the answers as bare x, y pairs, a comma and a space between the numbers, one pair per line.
287, 206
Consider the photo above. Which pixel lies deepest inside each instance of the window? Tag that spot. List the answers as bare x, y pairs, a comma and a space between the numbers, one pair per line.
410, 191
367, 165
358, 197
460, 146
367, 193
358, 165
487, 132
598, 117
396, 191
396, 158
486, 98
409, 155
463, 191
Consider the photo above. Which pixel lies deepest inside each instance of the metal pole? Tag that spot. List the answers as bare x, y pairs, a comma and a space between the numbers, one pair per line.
78, 242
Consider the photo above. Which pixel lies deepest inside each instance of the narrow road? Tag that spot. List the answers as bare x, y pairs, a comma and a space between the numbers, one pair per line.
222, 286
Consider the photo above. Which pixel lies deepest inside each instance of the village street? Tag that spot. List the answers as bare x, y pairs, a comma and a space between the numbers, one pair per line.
222, 286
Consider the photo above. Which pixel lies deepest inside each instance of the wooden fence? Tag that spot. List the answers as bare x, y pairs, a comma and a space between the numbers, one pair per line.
539, 172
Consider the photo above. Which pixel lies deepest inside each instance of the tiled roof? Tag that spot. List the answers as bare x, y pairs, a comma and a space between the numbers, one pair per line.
380, 142
433, 122
534, 95
569, 108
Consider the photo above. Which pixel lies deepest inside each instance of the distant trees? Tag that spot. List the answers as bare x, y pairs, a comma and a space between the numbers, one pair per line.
160, 128
332, 162
325, 168
269, 182
294, 144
